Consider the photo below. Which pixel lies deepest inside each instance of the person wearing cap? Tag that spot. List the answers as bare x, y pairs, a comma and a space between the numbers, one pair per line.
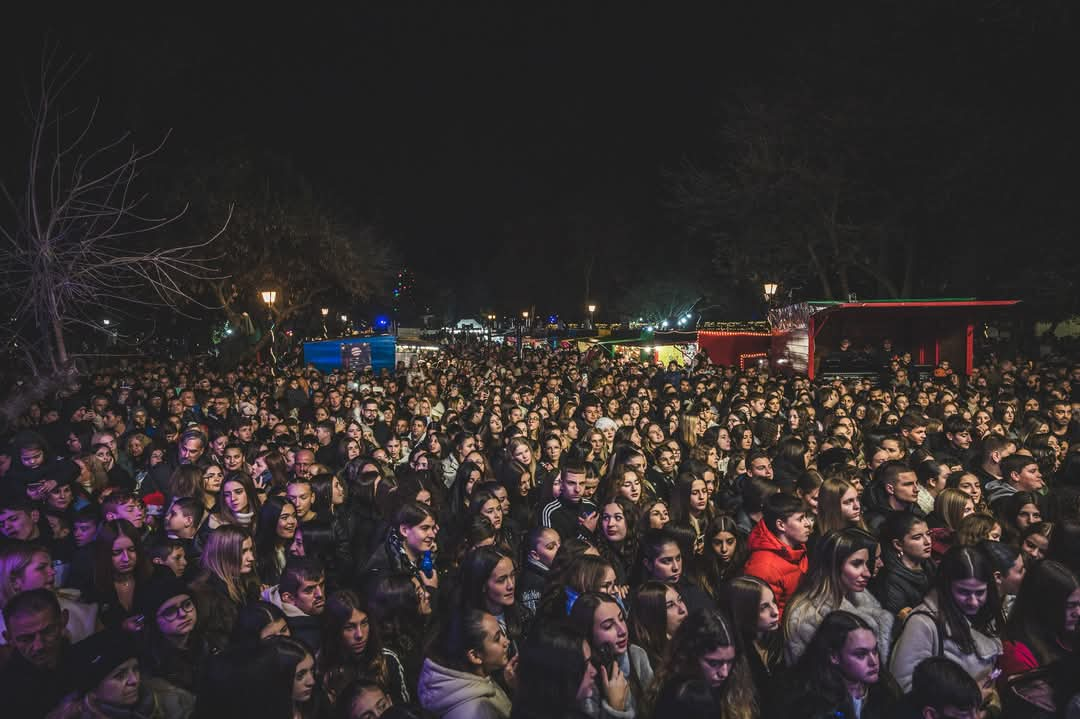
173, 648
107, 681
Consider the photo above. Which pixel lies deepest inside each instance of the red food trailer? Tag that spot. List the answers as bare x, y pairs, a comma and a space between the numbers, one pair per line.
805, 335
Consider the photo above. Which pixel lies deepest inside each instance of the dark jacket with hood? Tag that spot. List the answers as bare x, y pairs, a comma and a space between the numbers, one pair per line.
896, 586
875, 505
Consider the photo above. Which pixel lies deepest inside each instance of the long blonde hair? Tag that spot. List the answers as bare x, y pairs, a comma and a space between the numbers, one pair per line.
223, 557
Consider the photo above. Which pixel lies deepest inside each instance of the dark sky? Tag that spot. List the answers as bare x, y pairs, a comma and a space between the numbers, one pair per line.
463, 129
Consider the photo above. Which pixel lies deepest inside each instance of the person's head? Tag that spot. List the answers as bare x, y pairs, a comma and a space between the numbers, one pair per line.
303, 585
555, 671
256, 622
1021, 510
976, 527
942, 689
573, 480
657, 611
19, 518
104, 666
655, 514
190, 446
1047, 609
838, 505
34, 626
474, 642
1022, 472
278, 522
118, 552
1035, 541
900, 482
751, 604
843, 653
24, 566
348, 633
165, 552
486, 502
967, 483
786, 518
294, 661
124, 505
966, 592
661, 556
488, 580
618, 520
169, 608
841, 566
363, 699
707, 647
906, 536
542, 544
300, 493
238, 496
229, 554
725, 544
601, 620
417, 527
952, 505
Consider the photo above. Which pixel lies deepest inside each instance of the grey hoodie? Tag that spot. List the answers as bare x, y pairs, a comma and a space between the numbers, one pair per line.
453, 694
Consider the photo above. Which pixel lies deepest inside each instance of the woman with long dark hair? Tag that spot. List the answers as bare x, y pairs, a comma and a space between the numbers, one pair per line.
841, 674
487, 582
400, 609
352, 649
120, 568
457, 680
839, 574
657, 610
707, 647
725, 554
555, 674
1042, 627
905, 579
601, 620
956, 620
752, 607
296, 662
277, 527
618, 536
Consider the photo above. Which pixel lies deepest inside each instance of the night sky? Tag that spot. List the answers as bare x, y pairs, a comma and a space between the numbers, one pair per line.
485, 142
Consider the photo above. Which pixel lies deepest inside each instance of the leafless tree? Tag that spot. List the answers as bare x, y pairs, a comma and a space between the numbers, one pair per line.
78, 239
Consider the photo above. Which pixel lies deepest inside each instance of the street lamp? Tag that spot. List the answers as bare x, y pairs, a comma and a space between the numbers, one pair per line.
324, 312
592, 310
770, 291
106, 322
269, 297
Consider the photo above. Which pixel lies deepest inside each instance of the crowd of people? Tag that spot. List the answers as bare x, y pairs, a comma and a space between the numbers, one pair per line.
543, 535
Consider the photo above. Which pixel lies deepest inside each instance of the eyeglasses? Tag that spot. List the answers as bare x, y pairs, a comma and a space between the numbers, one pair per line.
172, 613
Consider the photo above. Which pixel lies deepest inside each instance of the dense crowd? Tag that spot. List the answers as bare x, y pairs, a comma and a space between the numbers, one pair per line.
545, 535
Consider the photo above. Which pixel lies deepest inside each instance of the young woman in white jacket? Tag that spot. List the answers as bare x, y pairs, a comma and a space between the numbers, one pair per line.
458, 683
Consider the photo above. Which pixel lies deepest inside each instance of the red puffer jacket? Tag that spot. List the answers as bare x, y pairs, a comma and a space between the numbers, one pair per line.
775, 563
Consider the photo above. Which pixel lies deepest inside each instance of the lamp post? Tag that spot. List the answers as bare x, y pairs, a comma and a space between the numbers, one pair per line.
592, 311
324, 312
269, 297
521, 334
770, 291
491, 326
